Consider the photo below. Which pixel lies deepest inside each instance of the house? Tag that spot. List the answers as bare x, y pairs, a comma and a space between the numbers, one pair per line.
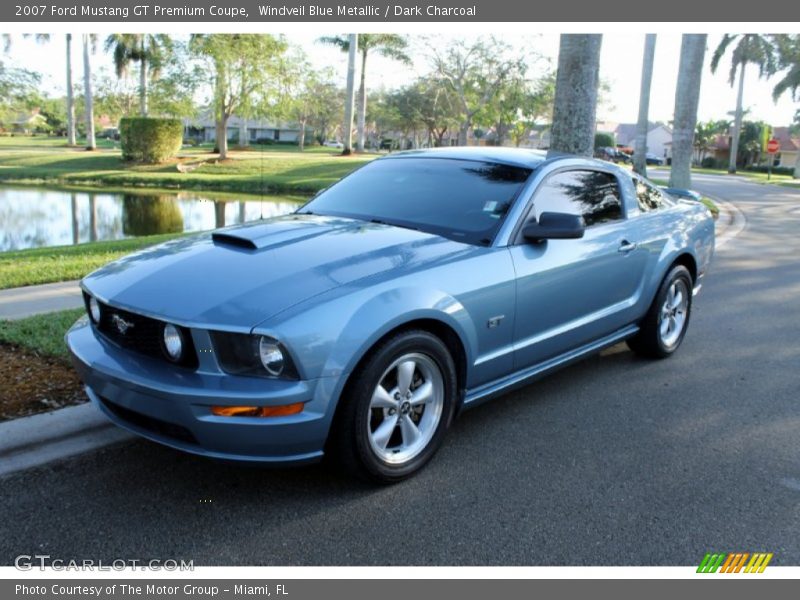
789, 147
659, 137
204, 130
26, 123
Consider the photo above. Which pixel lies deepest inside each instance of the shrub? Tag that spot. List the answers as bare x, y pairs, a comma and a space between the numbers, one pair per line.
603, 140
775, 170
150, 140
709, 162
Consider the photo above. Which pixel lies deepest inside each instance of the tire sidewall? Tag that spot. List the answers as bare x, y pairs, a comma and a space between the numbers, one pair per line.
371, 373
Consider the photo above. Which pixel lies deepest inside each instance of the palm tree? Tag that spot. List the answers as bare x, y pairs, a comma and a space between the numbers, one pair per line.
789, 65
390, 45
577, 82
640, 144
750, 48
687, 96
71, 141
89, 41
347, 128
149, 50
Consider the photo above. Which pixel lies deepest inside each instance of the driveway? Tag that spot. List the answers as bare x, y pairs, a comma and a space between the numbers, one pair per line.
616, 460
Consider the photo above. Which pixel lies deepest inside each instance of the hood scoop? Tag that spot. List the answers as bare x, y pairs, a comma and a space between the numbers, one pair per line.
228, 239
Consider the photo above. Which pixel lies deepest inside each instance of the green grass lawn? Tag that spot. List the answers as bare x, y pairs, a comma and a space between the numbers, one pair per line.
261, 169
784, 180
42, 334
62, 263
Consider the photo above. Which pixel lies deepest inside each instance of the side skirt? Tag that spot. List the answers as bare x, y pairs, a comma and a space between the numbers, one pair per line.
507, 383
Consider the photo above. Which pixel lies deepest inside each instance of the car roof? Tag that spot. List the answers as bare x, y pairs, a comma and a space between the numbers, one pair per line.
518, 157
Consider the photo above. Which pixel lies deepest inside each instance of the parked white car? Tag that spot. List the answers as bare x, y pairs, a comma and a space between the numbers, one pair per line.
333, 144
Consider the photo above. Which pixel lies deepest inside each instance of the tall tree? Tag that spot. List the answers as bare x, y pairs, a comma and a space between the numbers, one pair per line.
642, 125
687, 96
347, 126
475, 72
148, 50
390, 45
789, 66
752, 49
244, 69
89, 41
71, 141
577, 83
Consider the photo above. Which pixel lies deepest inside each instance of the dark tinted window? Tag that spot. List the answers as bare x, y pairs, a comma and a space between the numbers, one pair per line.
593, 194
649, 197
459, 199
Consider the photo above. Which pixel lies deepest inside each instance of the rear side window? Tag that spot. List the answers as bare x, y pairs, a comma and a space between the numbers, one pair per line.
594, 195
649, 197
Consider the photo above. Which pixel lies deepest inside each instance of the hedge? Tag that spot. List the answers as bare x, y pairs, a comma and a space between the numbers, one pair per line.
775, 170
150, 140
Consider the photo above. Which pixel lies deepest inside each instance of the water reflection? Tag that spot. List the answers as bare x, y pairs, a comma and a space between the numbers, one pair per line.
37, 217
149, 215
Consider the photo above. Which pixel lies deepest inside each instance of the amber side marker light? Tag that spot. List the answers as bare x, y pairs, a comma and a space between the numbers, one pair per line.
257, 411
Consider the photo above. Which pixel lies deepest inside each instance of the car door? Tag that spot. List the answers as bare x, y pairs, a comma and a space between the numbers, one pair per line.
573, 291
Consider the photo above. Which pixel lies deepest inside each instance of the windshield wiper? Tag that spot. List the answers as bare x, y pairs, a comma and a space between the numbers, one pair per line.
382, 222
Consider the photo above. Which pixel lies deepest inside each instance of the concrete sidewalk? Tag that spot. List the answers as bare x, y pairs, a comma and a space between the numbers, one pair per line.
18, 303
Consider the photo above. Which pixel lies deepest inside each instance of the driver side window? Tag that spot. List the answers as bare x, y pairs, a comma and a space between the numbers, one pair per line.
594, 195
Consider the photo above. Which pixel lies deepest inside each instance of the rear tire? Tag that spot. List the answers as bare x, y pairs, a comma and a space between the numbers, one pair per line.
663, 328
396, 408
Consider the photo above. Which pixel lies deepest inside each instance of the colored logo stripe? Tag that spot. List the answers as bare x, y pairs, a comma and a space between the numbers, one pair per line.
734, 562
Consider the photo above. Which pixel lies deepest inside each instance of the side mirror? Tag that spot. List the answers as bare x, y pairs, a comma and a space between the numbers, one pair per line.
554, 226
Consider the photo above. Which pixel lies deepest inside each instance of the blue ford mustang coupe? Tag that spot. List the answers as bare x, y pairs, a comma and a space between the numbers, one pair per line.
360, 325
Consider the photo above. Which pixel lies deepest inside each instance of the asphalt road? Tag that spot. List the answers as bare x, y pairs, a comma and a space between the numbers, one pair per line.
617, 460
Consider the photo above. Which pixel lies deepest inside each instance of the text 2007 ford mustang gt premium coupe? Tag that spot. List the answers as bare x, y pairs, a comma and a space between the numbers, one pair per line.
360, 325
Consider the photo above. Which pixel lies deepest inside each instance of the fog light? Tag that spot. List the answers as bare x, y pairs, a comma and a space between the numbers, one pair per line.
94, 310
271, 356
173, 342
257, 411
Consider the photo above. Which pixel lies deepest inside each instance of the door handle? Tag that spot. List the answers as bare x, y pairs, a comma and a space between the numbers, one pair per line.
626, 246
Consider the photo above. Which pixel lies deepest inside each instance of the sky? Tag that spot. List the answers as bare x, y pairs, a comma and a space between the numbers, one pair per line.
620, 68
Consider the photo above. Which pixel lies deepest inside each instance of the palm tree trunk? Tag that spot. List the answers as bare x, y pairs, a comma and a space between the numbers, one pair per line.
143, 78
797, 166
737, 122
687, 96
576, 94
91, 143
301, 140
640, 144
362, 103
70, 100
347, 126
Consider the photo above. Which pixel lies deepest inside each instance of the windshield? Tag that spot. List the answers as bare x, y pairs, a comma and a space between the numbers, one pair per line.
462, 200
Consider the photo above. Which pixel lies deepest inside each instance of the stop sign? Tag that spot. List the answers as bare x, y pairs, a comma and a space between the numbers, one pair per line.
773, 146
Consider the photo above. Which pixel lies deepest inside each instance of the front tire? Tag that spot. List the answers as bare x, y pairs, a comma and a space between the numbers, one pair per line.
396, 408
667, 319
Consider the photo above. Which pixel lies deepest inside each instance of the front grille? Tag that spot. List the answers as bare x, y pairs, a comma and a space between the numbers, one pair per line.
157, 426
142, 334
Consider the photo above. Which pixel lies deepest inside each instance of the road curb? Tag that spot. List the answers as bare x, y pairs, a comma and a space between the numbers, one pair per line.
39, 439
734, 224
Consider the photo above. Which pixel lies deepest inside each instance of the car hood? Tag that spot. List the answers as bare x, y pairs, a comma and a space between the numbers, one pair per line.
239, 276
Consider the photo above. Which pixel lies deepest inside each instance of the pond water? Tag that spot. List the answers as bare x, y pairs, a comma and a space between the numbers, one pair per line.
38, 217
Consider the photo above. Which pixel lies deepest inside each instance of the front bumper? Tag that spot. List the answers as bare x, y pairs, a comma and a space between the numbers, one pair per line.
172, 406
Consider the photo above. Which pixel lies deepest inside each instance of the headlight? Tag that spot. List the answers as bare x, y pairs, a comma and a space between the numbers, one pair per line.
94, 310
254, 355
173, 342
271, 356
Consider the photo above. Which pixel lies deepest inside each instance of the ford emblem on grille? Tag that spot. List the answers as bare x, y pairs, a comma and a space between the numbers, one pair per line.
121, 324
